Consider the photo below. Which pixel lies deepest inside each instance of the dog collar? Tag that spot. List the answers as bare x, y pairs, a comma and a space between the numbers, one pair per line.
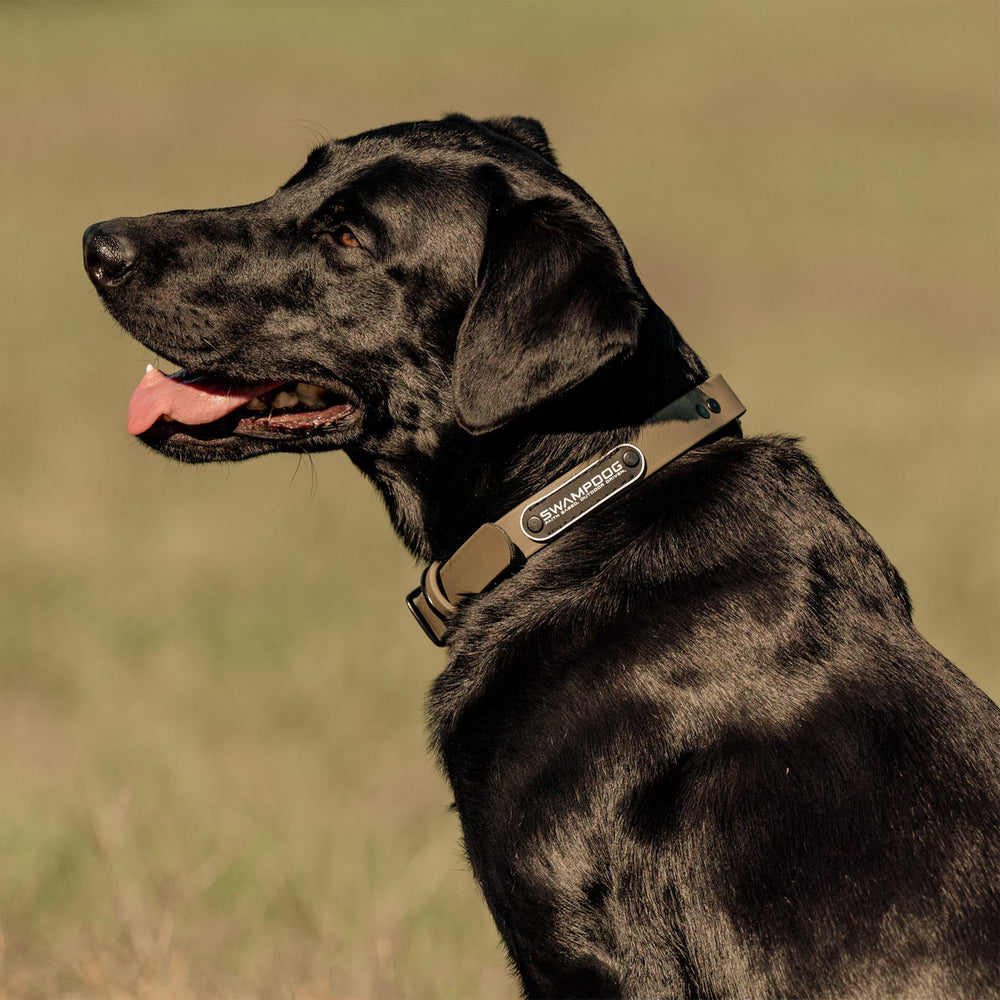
498, 547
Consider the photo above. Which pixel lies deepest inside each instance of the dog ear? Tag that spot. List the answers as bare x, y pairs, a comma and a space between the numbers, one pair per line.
556, 302
527, 131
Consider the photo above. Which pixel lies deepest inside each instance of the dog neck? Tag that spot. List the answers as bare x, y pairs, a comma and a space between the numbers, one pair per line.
499, 547
435, 503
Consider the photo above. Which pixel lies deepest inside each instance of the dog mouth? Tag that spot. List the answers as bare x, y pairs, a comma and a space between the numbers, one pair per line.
206, 408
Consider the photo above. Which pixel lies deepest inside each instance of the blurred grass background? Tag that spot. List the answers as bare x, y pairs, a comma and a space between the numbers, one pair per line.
213, 778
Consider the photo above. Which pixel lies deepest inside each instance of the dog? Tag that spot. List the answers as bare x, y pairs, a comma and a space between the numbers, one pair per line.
697, 748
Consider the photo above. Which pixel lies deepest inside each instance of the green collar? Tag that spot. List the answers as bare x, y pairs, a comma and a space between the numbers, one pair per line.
498, 547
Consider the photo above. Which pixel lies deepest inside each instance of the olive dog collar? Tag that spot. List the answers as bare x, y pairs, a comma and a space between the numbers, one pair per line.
498, 547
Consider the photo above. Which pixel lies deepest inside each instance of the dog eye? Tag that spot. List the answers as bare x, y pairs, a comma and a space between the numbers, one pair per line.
342, 236
345, 237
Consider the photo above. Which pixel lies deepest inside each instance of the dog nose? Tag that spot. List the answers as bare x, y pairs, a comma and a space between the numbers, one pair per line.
108, 257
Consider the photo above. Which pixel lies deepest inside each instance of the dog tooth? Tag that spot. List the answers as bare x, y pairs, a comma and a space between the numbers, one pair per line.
256, 404
149, 368
284, 399
309, 393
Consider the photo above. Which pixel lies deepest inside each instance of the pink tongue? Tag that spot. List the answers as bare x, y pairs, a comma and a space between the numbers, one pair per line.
198, 402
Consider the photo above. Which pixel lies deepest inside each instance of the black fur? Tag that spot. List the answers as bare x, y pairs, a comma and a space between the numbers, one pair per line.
697, 748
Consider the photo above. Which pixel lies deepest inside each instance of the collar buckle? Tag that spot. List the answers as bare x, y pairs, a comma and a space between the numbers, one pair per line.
434, 624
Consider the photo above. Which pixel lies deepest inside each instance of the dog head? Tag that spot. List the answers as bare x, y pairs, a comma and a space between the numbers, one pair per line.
407, 283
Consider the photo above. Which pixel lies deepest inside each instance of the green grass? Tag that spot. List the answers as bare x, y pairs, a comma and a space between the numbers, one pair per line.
214, 779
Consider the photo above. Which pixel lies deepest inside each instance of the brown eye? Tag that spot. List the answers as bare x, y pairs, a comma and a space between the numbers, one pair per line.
346, 238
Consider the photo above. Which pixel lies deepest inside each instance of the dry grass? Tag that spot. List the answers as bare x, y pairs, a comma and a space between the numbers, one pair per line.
214, 779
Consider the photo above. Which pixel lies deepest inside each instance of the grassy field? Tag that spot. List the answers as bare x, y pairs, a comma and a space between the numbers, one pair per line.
214, 781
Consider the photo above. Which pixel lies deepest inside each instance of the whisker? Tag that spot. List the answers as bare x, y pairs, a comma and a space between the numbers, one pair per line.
316, 129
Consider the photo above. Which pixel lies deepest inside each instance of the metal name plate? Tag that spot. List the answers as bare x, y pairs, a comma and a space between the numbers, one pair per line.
578, 496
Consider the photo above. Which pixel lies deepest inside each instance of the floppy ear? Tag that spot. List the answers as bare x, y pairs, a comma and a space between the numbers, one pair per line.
527, 131
556, 302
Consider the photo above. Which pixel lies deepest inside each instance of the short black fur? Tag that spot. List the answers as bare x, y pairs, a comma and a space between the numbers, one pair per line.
697, 748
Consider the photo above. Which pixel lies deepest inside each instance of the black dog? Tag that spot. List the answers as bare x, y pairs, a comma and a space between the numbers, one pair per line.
697, 747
